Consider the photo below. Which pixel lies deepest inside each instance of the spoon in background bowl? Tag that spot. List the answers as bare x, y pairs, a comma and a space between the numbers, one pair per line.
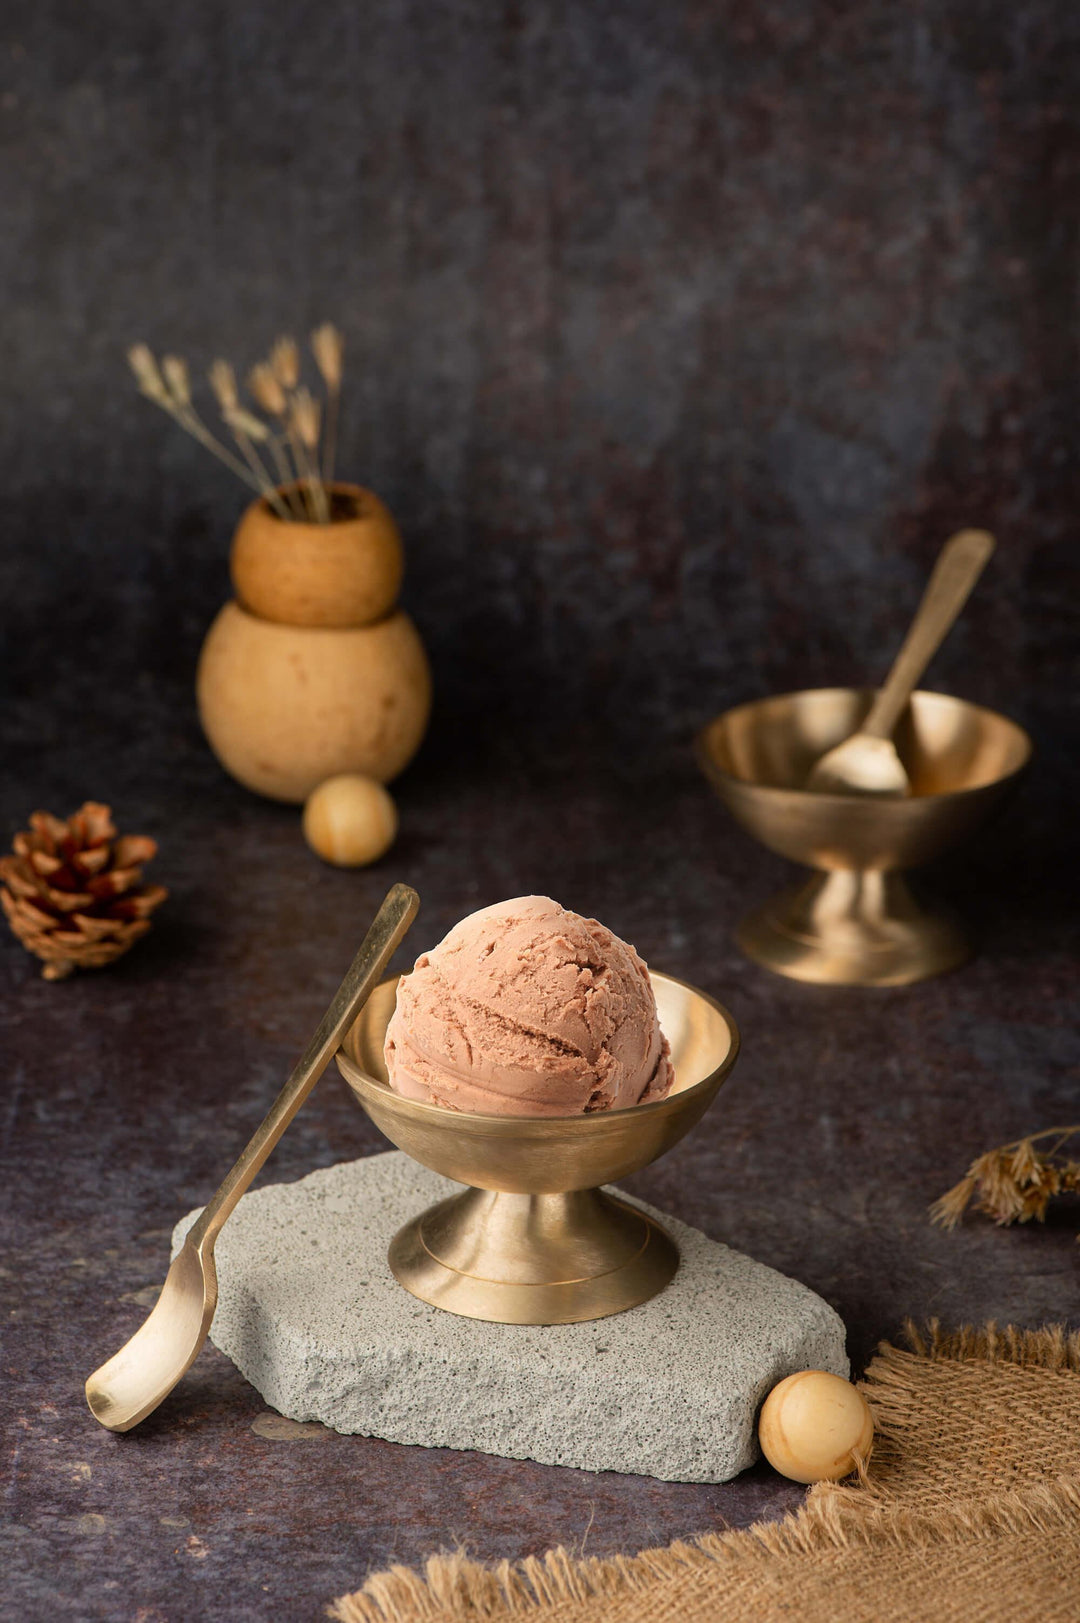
866, 763
145, 1370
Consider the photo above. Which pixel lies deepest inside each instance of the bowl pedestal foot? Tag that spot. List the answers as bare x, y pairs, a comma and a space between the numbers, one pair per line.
533, 1259
852, 928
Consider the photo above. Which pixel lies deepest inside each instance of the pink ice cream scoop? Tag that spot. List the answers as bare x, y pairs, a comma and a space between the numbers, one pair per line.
525, 1009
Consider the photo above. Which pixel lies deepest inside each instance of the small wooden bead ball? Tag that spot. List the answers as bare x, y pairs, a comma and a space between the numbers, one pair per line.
811, 1424
350, 820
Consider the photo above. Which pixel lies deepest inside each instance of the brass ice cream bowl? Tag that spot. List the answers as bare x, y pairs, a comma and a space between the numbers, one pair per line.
533, 1239
857, 922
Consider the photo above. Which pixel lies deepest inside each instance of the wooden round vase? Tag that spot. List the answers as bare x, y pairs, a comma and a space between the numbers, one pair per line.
311, 671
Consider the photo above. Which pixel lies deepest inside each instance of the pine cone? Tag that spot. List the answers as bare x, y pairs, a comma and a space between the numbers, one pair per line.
72, 891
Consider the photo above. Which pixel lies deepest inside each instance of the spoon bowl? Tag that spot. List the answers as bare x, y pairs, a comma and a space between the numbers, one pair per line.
867, 762
134, 1381
861, 765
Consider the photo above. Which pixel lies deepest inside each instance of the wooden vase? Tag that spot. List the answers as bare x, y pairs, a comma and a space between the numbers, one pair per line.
311, 671
346, 573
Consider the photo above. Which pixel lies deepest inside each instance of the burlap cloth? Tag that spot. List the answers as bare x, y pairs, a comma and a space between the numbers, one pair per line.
969, 1512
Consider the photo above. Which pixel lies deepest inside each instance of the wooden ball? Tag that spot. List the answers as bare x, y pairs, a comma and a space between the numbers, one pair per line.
811, 1424
350, 820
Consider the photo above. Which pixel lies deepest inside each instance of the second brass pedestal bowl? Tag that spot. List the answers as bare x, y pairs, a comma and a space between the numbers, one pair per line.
533, 1239
857, 922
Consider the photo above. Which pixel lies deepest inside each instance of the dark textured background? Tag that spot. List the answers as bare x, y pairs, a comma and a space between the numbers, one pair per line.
680, 336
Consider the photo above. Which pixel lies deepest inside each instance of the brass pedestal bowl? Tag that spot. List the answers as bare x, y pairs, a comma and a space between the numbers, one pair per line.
857, 922
533, 1240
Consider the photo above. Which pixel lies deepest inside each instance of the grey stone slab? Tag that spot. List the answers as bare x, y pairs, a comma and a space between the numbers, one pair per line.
311, 1315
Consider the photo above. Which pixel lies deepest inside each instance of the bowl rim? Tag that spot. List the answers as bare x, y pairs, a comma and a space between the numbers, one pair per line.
354, 1074
710, 765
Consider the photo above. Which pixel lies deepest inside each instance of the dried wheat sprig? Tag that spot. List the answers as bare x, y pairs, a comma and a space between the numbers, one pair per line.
247, 430
328, 348
285, 362
302, 476
302, 452
246, 422
1013, 1183
223, 382
268, 392
164, 394
269, 389
304, 420
285, 365
147, 376
286, 476
175, 373
244, 426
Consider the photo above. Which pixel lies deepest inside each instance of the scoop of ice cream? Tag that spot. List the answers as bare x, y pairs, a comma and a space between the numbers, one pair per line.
525, 1009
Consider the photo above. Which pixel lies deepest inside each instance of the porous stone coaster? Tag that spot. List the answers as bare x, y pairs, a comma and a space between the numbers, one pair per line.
311, 1315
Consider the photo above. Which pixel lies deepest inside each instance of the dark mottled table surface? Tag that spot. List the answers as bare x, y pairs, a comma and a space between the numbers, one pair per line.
126, 1094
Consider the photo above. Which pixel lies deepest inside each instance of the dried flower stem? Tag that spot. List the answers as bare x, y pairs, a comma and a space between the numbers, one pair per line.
246, 430
304, 419
198, 431
284, 368
285, 362
273, 397
261, 479
328, 348
303, 474
258, 467
286, 477
153, 387
302, 451
333, 408
1013, 1183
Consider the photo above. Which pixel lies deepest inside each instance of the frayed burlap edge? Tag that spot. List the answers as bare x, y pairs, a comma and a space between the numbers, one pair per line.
454, 1589
1052, 1347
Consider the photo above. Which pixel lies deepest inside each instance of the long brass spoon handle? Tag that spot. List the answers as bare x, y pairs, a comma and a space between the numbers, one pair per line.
132, 1383
387, 929
960, 563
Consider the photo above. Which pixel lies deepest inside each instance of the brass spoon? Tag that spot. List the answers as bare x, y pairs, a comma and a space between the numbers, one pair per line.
867, 762
145, 1370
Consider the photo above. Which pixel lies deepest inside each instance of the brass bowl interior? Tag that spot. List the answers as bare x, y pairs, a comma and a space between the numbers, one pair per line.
960, 758
947, 745
548, 1154
856, 923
